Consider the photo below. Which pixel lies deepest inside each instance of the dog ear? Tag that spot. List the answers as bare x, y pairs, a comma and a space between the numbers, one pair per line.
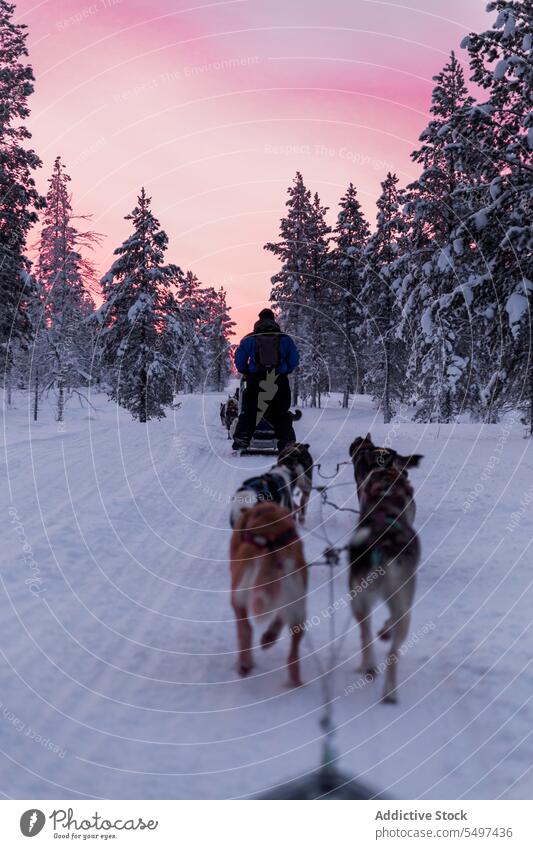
368, 437
411, 461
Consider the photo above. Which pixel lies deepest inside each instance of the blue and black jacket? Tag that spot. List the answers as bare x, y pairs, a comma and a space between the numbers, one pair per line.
245, 353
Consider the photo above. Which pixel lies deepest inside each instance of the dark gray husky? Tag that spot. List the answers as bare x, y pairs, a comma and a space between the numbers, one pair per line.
384, 551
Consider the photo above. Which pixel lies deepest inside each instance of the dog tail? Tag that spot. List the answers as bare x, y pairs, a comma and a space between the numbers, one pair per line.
296, 416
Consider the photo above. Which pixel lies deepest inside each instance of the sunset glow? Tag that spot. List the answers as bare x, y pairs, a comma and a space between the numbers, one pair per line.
214, 106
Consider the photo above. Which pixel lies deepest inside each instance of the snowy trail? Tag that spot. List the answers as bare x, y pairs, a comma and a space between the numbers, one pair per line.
118, 678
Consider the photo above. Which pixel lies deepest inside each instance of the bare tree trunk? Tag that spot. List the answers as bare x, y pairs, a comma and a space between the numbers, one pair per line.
296, 388
296, 380
446, 407
530, 398
387, 412
347, 357
143, 397
36, 396
61, 401
348, 384
9, 376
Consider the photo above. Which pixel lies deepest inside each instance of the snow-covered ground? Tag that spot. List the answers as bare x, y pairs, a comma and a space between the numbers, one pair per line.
117, 660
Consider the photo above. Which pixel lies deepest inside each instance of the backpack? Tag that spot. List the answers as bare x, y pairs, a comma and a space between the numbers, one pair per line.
267, 350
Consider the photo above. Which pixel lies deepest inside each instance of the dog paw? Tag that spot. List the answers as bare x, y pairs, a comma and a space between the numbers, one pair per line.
368, 671
384, 633
389, 698
244, 668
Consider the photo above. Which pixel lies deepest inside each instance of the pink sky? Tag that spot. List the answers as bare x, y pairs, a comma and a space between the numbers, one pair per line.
213, 106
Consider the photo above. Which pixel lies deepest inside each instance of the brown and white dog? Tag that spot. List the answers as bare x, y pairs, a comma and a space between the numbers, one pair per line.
268, 582
384, 550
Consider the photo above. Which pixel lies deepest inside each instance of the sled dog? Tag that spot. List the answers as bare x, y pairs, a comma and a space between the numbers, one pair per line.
275, 487
368, 459
268, 582
229, 413
384, 551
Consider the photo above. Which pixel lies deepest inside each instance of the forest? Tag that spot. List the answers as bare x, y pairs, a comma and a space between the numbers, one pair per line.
428, 311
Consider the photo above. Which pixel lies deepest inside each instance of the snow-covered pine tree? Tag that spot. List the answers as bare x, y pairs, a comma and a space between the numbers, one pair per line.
385, 373
351, 235
36, 363
317, 360
292, 248
22, 352
20, 199
436, 327
137, 301
501, 141
187, 345
218, 330
300, 289
63, 275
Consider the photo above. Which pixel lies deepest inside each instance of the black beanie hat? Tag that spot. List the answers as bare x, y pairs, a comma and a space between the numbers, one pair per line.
266, 313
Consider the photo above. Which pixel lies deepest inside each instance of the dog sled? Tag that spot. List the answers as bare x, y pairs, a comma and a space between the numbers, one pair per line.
263, 440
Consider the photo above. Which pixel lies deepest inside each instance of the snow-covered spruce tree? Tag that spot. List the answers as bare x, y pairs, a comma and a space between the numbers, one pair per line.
292, 248
63, 275
385, 373
501, 141
137, 301
21, 351
300, 288
317, 360
19, 197
351, 235
185, 341
195, 336
218, 329
435, 328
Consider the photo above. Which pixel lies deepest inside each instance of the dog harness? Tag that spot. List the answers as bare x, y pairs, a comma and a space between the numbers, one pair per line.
389, 533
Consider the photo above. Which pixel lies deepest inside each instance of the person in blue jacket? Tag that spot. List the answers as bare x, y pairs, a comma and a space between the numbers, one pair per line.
266, 357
